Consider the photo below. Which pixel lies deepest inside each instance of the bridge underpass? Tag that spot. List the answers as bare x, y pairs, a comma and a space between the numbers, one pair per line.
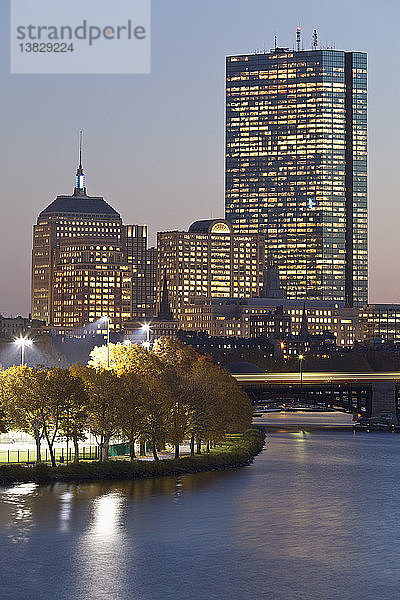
368, 394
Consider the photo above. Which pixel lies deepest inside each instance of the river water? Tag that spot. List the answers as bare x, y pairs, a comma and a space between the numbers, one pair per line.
315, 517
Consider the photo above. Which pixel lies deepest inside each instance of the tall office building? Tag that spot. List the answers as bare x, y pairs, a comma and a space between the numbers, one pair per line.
79, 267
209, 260
296, 166
143, 263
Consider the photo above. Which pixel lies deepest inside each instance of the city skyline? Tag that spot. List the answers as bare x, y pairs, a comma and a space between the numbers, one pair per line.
37, 166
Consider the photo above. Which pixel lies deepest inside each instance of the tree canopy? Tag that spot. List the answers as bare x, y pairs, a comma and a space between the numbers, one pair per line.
164, 396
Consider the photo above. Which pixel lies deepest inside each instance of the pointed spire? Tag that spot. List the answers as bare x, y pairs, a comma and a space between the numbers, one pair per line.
303, 333
80, 189
272, 286
165, 313
80, 148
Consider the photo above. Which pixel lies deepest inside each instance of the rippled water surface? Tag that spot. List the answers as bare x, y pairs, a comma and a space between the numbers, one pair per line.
316, 517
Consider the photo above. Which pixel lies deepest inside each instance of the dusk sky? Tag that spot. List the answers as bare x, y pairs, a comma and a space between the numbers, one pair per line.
154, 144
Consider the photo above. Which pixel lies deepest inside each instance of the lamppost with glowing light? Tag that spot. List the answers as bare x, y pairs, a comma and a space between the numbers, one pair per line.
23, 343
301, 358
106, 319
146, 328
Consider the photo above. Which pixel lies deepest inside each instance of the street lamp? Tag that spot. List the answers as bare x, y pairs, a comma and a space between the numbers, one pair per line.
146, 328
106, 319
23, 343
301, 358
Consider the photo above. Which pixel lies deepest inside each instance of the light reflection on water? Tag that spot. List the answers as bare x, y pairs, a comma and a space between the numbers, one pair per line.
103, 541
315, 517
65, 510
19, 510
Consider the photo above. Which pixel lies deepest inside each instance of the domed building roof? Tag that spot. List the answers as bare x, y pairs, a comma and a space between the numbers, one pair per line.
211, 226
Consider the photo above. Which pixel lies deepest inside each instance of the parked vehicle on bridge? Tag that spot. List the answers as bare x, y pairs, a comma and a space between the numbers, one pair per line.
385, 419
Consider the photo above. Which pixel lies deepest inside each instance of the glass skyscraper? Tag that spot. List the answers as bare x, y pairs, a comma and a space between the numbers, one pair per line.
296, 166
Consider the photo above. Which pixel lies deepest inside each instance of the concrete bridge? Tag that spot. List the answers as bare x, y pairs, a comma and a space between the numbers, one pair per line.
366, 393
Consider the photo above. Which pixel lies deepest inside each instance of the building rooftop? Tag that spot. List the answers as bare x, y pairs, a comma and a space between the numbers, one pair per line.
80, 204
294, 302
211, 226
269, 302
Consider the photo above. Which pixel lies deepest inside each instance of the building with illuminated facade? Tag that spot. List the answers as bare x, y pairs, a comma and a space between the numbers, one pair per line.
296, 166
209, 260
143, 263
381, 323
79, 267
274, 318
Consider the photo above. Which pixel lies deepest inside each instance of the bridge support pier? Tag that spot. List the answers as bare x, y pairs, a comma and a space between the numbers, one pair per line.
383, 397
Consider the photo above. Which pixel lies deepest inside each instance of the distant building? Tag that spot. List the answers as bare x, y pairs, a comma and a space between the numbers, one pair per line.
272, 285
209, 260
12, 327
143, 263
381, 323
163, 325
79, 267
275, 318
296, 166
210, 344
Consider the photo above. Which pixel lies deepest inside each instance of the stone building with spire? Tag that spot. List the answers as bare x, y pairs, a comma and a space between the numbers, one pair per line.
164, 325
161, 325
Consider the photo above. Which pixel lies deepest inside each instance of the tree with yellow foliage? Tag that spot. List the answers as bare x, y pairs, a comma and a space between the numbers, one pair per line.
131, 410
22, 399
105, 393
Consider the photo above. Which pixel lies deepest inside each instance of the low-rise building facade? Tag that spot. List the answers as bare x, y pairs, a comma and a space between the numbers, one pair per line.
276, 318
381, 323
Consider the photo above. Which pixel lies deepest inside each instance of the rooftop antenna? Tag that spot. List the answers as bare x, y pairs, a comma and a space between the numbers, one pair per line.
275, 42
298, 38
80, 147
80, 188
315, 39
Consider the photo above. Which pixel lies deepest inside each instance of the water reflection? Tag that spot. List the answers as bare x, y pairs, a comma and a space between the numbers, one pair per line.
106, 517
178, 490
65, 510
23, 489
102, 545
20, 513
315, 517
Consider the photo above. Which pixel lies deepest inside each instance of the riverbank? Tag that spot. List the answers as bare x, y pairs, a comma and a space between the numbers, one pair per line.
237, 451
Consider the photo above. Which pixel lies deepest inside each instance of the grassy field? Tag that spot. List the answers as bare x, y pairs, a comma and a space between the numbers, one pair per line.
236, 451
28, 456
